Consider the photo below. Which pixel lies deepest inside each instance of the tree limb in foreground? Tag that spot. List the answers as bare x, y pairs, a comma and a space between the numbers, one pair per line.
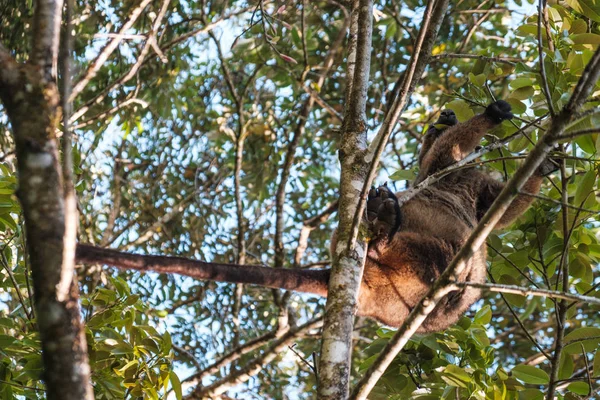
31, 100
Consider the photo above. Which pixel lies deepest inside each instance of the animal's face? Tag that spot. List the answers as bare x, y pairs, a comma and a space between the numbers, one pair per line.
447, 117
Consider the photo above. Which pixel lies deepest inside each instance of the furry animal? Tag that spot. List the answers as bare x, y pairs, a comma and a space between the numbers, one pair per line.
413, 244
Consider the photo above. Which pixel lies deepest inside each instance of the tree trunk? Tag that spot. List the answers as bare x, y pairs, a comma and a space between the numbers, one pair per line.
31, 99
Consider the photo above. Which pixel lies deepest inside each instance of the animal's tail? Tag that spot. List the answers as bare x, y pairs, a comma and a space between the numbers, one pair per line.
299, 280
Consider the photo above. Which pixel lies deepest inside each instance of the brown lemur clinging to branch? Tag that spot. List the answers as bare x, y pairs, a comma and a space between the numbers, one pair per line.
412, 244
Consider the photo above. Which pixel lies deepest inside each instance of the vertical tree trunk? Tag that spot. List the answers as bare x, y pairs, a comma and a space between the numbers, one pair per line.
346, 275
31, 99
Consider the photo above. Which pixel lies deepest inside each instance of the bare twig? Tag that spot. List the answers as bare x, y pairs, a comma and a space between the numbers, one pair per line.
142, 58
503, 60
105, 53
545, 87
563, 268
523, 291
308, 226
576, 134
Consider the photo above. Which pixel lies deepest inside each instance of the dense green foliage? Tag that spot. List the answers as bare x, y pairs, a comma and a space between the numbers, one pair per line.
155, 163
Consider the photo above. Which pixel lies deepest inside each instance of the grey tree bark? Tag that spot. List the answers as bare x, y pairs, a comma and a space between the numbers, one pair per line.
30, 96
346, 272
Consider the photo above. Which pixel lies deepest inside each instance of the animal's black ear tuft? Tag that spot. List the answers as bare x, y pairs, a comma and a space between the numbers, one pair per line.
499, 111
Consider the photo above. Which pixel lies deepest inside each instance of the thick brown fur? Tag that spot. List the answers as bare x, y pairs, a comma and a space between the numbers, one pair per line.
404, 260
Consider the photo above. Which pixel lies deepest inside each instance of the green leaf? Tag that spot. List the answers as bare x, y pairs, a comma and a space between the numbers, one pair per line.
523, 93
6, 341
483, 316
565, 367
518, 107
520, 83
587, 144
461, 109
579, 388
578, 26
518, 144
403, 175
585, 187
587, 8
597, 363
456, 376
586, 38
531, 394
176, 385
477, 80
530, 374
588, 336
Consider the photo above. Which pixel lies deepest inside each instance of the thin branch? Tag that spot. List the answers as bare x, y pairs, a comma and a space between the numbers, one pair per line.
520, 323
476, 25
7, 156
502, 60
162, 220
492, 11
105, 53
551, 200
308, 226
582, 132
545, 87
563, 267
298, 132
188, 354
523, 291
142, 59
103, 115
15, 284
233, 355
508, 260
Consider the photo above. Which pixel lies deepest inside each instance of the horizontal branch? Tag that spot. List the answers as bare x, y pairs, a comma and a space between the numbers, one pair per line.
299, 280
503, 60
576, 134
492, 287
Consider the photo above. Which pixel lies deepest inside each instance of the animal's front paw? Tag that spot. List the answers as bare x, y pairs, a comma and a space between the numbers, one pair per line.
498, 111
383, 211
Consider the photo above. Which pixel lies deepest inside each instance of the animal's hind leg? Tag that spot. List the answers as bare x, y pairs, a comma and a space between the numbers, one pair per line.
411, 262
